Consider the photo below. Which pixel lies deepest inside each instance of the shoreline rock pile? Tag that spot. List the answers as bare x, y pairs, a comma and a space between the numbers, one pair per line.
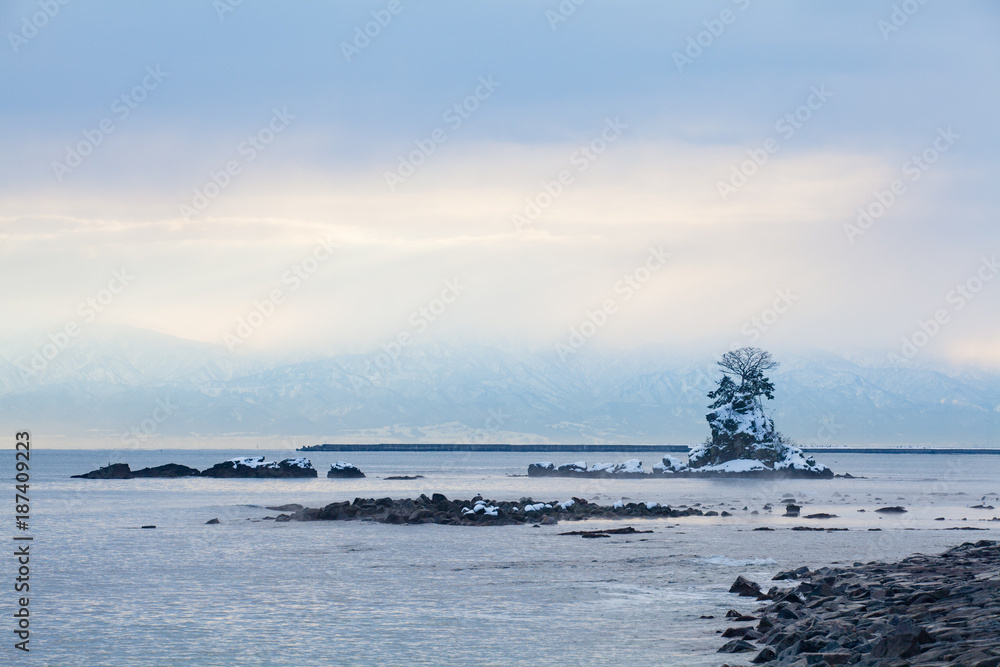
923, 610
479, 511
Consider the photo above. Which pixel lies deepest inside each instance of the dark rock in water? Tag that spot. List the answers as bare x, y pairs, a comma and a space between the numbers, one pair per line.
745, 587
401, 477
766, 654
147, 526
737, 632
791, 574
211, 522
792, 510
259, 468
288, 507
737, 646
343, 470
593, 535
543, 469
764, 528
821, 515
891, 510
628, 530
110, 471
732, 613
482, 512
167, 470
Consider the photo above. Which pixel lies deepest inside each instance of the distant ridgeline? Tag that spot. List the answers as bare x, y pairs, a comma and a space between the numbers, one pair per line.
569, 449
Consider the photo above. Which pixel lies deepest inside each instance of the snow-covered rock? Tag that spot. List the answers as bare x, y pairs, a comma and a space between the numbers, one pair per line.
669, 465
344, 470
260, 467
541, 469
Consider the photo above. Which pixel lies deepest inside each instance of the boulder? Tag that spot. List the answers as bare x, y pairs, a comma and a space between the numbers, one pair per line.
745, 587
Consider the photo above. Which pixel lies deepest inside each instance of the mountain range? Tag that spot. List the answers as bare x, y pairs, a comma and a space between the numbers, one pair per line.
132, 386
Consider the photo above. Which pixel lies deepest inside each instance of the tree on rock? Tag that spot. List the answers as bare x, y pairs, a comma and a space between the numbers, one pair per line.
741, 430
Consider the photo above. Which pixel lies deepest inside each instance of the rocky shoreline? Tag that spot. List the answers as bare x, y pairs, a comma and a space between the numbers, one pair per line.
481, 512
795, 467
929, 611
243, 468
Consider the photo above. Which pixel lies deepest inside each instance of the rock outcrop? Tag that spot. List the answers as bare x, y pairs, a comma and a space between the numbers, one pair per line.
479, 511
110, 471
167, 470
344, 470
257, 467
794, 466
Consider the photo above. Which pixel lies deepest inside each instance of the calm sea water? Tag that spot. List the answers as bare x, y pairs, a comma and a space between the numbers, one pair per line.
252, 592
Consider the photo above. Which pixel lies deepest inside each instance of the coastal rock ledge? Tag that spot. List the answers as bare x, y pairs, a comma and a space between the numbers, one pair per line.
248, 467
924, 610
479, 511
793, 465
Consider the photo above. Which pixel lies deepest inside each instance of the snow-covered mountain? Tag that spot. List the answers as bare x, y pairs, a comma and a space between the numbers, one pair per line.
120, 380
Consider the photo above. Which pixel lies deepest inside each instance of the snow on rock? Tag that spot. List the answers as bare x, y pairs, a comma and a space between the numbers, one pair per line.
258, 466
669, 465
537, 507
344, 470
541, 469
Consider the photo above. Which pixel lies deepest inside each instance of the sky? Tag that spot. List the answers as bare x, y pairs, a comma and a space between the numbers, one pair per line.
329, 177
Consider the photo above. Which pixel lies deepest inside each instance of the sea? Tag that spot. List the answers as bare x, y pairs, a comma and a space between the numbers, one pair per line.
250, 591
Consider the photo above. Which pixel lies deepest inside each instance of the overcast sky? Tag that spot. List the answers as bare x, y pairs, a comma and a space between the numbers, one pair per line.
739, 138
